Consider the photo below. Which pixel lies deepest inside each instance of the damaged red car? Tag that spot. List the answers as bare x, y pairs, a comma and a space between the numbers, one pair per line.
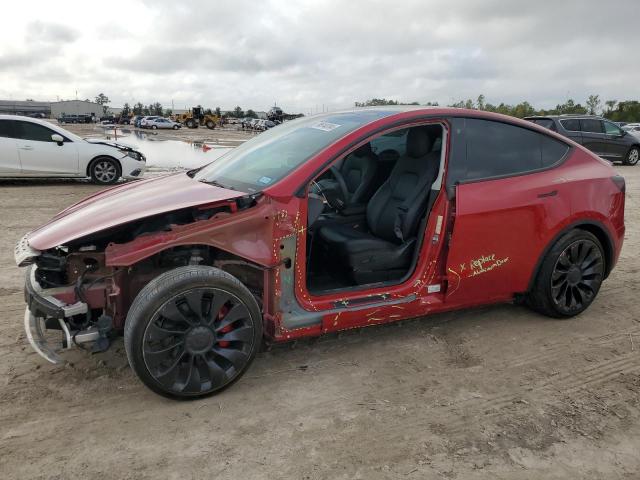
326, 223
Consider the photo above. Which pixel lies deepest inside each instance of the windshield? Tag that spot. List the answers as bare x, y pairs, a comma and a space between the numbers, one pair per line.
270, 156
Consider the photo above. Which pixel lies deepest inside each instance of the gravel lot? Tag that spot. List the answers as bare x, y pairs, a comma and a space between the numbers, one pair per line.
497, 392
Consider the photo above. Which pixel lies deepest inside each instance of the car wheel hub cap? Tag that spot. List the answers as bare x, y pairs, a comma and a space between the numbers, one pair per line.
574, 275
105, 171
633, 156
199, 340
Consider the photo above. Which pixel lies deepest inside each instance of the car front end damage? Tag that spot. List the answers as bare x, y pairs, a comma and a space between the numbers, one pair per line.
66, 299
78, 291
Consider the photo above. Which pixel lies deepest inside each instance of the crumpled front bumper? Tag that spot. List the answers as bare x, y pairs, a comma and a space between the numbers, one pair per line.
43, 306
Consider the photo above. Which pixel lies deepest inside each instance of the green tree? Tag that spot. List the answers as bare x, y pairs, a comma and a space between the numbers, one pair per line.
377, 102
238, 113
480, 102
168, 112
218, 112
156, 109
103, 100
593, 104
138, 108
251, 114
627, 111
611, 104
126, 110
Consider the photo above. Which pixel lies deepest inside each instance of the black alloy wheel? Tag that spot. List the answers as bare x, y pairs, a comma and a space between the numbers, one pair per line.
570, 275
577, 276
198, 340
192, 331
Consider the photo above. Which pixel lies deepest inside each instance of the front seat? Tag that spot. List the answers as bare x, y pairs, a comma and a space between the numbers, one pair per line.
384, 252
359, 171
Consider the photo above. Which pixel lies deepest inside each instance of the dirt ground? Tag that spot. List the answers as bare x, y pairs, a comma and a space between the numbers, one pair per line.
496, 393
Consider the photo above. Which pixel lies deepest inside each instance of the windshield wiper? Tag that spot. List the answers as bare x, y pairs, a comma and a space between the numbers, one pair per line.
216, 183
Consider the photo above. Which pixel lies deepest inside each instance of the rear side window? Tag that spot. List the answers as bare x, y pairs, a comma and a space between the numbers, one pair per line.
552, 150
572, 125
33, 131
545, 122
591, 126
483, 149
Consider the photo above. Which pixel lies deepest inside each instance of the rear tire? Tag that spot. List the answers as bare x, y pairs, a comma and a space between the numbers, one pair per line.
190, 123
154, 127
632, 157
570, 276
176, 127
192, 332
210, 125
104, 171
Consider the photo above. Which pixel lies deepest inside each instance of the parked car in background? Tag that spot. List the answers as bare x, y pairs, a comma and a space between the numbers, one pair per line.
197, 268
35, 148
144, 123
601, 136
632, 128
67, 118
160, 122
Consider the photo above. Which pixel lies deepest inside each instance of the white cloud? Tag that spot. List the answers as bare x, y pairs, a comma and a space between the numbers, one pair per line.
311, 53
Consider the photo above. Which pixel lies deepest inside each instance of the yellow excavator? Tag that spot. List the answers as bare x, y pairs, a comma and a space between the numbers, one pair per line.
196, 117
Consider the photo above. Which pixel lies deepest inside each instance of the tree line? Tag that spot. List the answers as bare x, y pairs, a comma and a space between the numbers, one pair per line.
617, 111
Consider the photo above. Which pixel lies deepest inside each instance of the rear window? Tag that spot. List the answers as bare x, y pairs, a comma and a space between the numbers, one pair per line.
572, 125
591, 126
544, 122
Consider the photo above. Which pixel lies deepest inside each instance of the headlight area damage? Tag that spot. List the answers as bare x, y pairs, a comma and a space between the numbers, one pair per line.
78, 294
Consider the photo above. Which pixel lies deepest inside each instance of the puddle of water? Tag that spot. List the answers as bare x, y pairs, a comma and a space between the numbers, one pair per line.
165, 154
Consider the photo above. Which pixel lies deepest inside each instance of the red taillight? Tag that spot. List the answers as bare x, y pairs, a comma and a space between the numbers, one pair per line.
619, 182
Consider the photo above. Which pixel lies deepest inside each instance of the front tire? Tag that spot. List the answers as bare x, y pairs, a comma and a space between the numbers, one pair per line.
104, 171
632, 157
210, 125
154, 127
570, 276
192, 332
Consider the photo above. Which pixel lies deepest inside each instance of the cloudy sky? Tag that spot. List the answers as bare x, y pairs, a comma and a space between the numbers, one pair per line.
306, 54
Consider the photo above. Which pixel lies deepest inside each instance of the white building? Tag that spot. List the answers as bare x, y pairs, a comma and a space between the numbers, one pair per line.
76, 107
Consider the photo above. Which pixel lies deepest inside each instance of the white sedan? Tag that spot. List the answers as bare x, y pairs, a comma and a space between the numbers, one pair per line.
160, 122
35, 148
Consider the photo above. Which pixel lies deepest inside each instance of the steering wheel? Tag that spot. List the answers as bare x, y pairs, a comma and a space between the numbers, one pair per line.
341, 183
331, 196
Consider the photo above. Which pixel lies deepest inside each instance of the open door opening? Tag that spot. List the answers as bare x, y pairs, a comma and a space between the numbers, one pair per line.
367, 213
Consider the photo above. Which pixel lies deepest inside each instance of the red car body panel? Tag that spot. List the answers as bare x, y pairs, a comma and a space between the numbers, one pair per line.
482, 246
125, 203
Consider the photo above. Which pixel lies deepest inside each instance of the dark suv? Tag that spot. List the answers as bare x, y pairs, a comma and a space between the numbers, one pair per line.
599, 135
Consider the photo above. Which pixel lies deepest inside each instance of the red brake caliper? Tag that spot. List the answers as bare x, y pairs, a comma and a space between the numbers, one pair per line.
228, 328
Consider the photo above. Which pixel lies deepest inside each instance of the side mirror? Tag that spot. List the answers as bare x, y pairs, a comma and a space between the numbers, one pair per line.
58, 139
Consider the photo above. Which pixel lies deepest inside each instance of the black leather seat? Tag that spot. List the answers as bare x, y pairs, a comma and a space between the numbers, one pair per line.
359, 172
384, 252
